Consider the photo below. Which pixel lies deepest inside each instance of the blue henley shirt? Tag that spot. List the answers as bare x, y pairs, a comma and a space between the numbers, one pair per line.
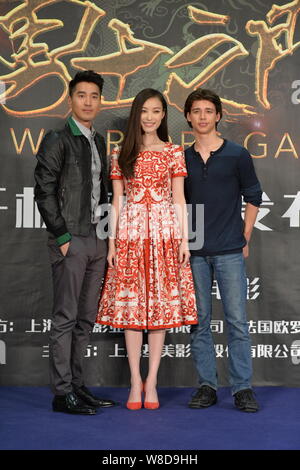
219, 184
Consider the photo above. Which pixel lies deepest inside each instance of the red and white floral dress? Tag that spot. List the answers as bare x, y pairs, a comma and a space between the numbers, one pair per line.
147, 288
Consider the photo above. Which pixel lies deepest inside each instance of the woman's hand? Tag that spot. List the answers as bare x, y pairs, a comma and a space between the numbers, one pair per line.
184, 253
111, 256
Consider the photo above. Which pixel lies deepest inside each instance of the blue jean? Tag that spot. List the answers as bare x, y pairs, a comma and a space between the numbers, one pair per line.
229, 271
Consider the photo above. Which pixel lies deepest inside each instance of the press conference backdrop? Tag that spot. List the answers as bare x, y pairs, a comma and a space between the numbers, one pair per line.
248, 52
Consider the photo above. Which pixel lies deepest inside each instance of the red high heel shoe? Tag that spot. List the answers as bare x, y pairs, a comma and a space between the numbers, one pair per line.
135, 405
150, 405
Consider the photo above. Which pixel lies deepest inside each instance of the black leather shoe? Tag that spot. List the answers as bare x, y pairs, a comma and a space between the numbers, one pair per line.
71, 403
88, 398
244, 400
203, 398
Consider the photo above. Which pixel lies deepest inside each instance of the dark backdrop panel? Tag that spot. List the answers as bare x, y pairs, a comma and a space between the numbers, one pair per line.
249, 54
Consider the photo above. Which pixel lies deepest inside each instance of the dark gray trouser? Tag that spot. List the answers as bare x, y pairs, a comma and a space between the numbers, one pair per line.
76, 288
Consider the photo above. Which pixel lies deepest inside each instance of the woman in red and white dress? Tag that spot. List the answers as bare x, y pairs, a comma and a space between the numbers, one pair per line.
149, 284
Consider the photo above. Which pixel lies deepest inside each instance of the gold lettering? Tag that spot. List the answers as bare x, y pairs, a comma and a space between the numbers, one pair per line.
123, 63
33, 61
26, 133
291, 149
25, 70
197, 51
206, 17
264, 146
110, 141
185, 143
269, 50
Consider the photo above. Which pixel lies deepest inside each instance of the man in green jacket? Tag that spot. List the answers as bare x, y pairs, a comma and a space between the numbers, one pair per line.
71, 185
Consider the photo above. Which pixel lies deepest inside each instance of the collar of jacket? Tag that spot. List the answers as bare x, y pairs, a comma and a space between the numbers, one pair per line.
74, 129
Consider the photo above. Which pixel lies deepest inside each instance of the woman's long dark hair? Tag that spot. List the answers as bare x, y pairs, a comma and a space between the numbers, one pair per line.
133, 139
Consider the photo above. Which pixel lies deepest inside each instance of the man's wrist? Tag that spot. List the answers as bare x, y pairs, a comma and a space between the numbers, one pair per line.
65, 238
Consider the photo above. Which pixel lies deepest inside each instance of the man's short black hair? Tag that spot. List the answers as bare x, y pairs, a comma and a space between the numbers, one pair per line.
202, 94
86, 76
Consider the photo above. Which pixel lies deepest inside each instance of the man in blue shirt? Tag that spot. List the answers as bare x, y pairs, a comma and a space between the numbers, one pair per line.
220, 172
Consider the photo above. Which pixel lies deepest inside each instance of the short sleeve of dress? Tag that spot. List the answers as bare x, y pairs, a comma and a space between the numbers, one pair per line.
115, 170
178, 167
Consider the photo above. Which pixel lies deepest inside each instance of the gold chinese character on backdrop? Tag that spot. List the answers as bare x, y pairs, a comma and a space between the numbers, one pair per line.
125, 62
197, 51
32, 61
270, 50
